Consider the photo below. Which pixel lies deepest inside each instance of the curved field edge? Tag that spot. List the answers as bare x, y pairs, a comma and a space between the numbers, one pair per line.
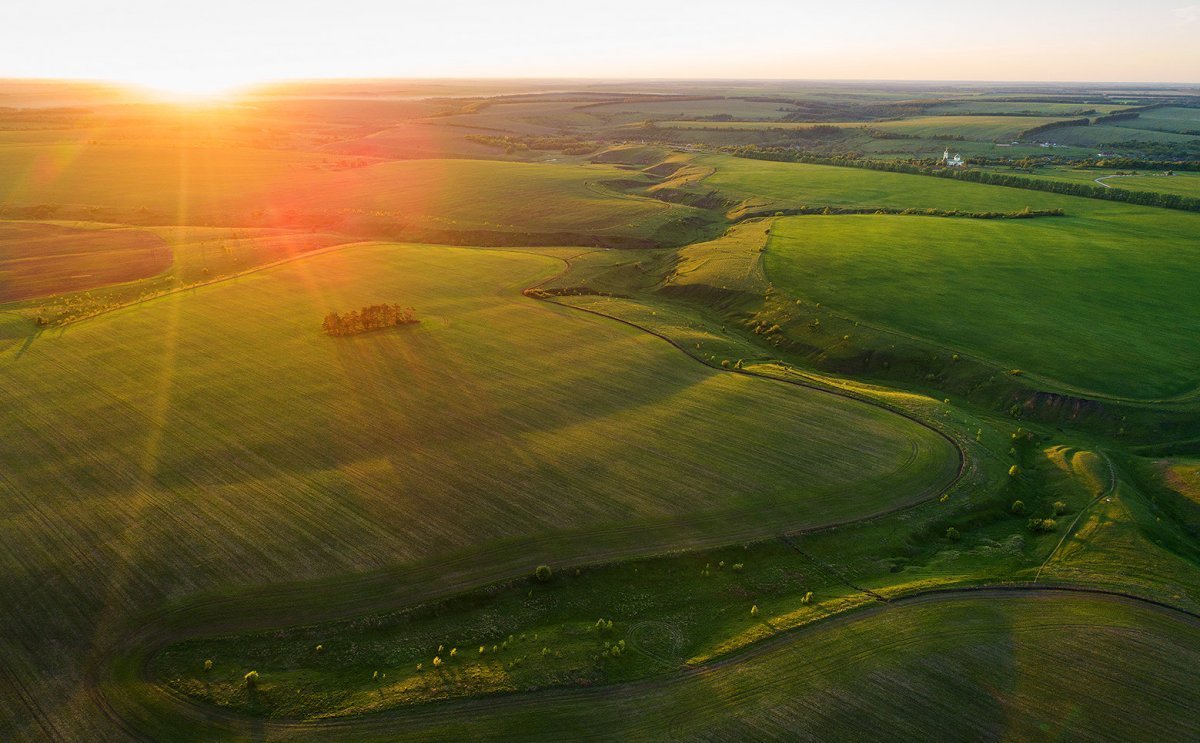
960, 644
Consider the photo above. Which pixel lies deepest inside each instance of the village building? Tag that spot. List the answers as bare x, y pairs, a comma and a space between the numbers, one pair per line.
952, 162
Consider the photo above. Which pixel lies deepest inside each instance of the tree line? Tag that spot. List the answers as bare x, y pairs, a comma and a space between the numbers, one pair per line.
371, 317
1026, 213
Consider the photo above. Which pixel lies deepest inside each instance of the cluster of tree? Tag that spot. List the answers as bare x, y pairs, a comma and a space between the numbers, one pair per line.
1029, 112
1026, 213
513, 144
1032, 131
1117, 163
1158, 150
1143, 198
1117, 117
372, 317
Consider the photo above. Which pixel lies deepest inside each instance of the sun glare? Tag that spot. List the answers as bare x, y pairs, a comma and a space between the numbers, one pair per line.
191, 90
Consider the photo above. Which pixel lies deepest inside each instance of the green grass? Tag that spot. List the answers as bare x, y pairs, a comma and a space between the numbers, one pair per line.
959, 667
767, 184
215, 438
1167, 119
1079, 300
1024, 108
985, 128
1109, 136
245, 187
1183, 183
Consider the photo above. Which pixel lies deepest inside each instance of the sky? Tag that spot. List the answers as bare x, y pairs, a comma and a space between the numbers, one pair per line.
190, 46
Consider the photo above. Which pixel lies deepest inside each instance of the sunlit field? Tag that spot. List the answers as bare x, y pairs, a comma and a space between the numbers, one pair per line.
534, 409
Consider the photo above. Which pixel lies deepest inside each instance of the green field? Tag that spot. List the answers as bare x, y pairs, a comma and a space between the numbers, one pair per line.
179, 444
1183, 183
779, 184
1167, 119
1047, 296
982, 128
218, 186
1114, 136
993, 665
686, 444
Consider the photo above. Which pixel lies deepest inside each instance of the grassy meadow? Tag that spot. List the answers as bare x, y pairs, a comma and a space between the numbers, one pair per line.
223, 186
218, 448
971, 666
1048, 296
979, 128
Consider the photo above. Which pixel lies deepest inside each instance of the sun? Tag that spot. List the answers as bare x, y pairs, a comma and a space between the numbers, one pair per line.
193, 87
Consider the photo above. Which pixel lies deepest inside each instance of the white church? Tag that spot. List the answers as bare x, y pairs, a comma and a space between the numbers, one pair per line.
953, 162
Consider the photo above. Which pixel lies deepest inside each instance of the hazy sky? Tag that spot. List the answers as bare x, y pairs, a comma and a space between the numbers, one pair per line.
184, 44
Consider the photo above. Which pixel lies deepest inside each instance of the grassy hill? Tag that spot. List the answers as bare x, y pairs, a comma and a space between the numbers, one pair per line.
1078, 300
954, 667
217, 437
257, 187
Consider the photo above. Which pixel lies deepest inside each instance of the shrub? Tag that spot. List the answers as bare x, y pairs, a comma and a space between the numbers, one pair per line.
1040, 526
251, 679
208, 665
1014, 471
543, 573
1018, 508
754, 610
952, 534
807, 598
482, 649
1059, 508
437, 661
453, 652
320, 648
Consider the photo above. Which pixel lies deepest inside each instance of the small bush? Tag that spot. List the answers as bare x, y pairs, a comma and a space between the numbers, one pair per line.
543, 573
251, 679
754, 610
437, 661
1014, 471
320, 648
1059, 508
1042, 526
1018, 508
208, 665
807, 598
953, 535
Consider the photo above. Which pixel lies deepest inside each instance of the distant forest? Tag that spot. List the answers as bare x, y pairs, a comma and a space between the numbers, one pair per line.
372, 317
